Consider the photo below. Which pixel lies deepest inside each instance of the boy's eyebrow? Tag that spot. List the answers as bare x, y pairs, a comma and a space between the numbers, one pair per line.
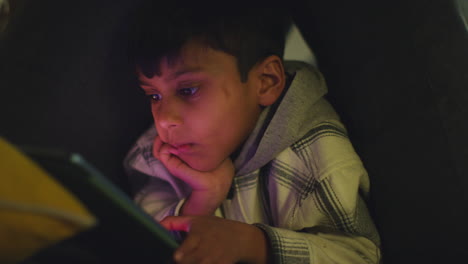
179, 73
144, 83
176, 75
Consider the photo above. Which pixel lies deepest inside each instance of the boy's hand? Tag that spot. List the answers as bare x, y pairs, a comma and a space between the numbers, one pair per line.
209, 189
212, 239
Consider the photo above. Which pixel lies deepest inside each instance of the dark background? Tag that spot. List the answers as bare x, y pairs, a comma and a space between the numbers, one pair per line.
66, 81
398, 75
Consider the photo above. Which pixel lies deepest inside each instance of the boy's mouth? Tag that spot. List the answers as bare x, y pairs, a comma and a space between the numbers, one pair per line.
182, 148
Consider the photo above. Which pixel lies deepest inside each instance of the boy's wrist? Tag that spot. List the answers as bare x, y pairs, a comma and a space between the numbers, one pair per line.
202, 203
257, 246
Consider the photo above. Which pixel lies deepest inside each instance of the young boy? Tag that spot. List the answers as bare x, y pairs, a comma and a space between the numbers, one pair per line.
245, 154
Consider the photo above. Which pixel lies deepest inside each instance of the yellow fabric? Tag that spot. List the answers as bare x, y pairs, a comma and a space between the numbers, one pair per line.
35, 210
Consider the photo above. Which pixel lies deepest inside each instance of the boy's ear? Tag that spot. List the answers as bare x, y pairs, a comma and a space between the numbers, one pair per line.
272, 79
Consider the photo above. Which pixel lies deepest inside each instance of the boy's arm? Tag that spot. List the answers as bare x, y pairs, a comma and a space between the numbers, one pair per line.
216, 240
317, 191
151, 169
341, 231
319, 212
212, 239
319, 246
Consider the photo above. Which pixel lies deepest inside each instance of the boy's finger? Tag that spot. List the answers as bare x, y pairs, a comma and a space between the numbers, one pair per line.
167, 149
165, 153
182, 223
157, 144
188, 248
176, 166
177, 223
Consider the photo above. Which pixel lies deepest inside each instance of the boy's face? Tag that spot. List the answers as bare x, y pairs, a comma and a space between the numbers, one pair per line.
201, 107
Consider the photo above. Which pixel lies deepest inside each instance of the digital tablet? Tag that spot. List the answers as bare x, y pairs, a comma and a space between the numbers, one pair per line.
124, 231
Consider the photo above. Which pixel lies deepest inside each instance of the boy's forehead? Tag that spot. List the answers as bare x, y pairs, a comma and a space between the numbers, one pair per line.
193, 59
193, 56
172, 71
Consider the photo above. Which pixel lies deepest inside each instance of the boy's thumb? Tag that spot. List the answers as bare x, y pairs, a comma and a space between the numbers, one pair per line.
177, 223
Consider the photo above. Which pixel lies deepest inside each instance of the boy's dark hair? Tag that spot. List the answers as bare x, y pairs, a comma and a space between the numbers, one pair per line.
249, 32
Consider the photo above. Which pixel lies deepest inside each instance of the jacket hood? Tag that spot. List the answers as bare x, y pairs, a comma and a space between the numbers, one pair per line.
301, 107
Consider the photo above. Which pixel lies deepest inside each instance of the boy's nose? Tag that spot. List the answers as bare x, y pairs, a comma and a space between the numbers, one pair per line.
167, 115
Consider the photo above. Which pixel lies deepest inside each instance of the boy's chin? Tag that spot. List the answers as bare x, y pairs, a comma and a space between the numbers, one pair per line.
201, 165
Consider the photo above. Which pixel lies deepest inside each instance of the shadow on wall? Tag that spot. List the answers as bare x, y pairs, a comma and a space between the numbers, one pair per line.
4, 14
7, 9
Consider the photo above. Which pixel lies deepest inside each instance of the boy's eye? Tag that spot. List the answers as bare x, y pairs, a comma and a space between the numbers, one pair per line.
188, 91
155, 97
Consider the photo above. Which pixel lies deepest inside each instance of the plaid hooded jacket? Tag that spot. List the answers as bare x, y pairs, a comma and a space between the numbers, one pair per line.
297, 178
